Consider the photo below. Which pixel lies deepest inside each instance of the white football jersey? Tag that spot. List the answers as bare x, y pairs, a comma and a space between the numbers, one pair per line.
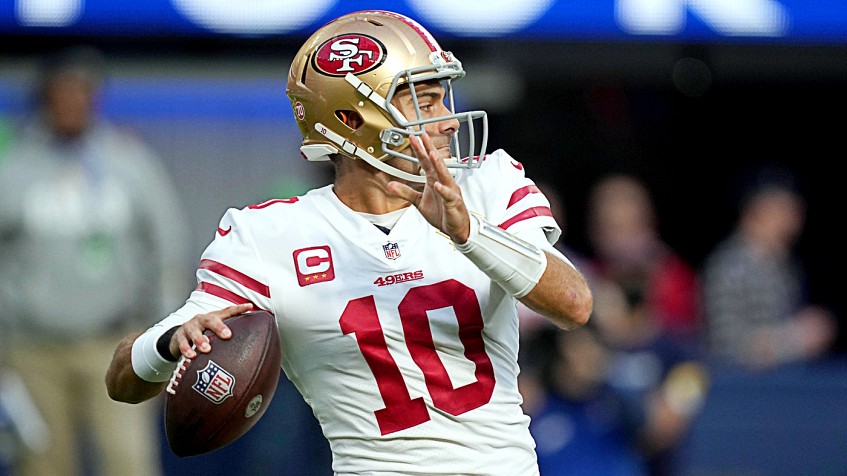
405, 350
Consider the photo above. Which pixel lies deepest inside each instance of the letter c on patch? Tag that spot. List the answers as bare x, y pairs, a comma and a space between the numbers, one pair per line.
314, 265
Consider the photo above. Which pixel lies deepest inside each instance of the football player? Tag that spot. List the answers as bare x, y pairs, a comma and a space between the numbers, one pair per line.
394, 288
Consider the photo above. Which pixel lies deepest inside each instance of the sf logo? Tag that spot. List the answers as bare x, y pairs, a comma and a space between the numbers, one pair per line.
350, 53
347, 51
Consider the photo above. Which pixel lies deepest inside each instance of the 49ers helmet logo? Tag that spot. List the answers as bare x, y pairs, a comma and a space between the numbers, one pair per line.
348, 53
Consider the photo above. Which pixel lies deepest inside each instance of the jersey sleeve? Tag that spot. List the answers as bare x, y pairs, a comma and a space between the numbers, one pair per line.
526, 206
229, 272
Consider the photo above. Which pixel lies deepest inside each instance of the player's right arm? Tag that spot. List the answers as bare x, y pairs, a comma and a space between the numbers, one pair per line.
143, 363
122, 383
125, 385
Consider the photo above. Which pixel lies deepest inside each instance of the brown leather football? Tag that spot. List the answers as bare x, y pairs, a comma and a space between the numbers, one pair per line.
215, 398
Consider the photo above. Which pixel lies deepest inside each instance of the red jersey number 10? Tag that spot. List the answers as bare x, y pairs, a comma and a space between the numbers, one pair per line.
401, 411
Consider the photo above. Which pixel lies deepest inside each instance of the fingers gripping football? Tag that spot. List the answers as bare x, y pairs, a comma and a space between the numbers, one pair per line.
191, 337
219, 395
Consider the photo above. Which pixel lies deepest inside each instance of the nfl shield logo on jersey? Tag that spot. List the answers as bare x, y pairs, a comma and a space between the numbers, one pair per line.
392, 250
214, 383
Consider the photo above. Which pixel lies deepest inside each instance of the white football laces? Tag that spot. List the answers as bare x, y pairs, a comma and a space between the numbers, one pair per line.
176, 376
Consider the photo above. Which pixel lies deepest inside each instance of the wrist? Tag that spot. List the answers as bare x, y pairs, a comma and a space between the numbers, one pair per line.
473, 232
463, 237
147, 362
163, 344
514, 264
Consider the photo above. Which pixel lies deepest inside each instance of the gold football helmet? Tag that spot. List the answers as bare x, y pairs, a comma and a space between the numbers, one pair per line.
353, 66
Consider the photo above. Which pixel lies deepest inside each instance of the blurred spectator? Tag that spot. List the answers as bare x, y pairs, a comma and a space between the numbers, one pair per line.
662, 383
92, 243
623, 231
581, 425
617, 396
755, 304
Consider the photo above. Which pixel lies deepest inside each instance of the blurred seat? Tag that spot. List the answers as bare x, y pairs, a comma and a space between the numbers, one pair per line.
791, 421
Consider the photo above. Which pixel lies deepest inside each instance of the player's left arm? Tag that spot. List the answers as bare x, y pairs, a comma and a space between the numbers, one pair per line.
562, 294
528, 268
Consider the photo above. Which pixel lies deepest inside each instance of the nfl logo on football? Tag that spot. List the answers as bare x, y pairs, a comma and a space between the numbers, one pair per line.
214, 383
392, 250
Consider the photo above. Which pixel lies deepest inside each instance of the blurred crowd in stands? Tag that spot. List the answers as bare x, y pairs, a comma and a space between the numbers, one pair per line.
619, 395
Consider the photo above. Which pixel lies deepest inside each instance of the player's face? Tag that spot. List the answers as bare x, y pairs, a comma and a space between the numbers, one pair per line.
430, 97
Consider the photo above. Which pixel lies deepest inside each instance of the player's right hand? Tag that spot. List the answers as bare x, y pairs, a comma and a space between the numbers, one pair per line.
440, 202
190, 337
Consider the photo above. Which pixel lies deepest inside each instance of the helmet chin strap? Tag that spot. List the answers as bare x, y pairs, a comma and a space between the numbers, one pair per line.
356, 151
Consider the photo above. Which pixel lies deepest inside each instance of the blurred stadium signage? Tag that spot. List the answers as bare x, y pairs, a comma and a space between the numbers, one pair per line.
770, 21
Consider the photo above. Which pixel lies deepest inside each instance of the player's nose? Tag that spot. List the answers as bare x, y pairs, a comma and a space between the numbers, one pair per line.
448, 127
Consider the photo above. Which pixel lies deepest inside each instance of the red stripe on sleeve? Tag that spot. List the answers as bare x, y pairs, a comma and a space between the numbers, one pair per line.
522, 192
272, 201
527, 214
222, 293
236, 276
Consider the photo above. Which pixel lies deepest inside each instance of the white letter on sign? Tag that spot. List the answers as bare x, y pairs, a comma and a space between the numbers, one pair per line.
255, 16
50, 13
489, 18
726, 17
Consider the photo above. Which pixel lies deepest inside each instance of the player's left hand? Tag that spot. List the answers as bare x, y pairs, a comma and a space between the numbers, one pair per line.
441, 201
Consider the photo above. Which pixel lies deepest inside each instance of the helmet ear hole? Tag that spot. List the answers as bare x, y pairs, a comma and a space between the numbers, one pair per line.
351, 119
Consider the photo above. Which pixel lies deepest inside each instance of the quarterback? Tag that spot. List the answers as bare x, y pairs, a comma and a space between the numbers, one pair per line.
395, 288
